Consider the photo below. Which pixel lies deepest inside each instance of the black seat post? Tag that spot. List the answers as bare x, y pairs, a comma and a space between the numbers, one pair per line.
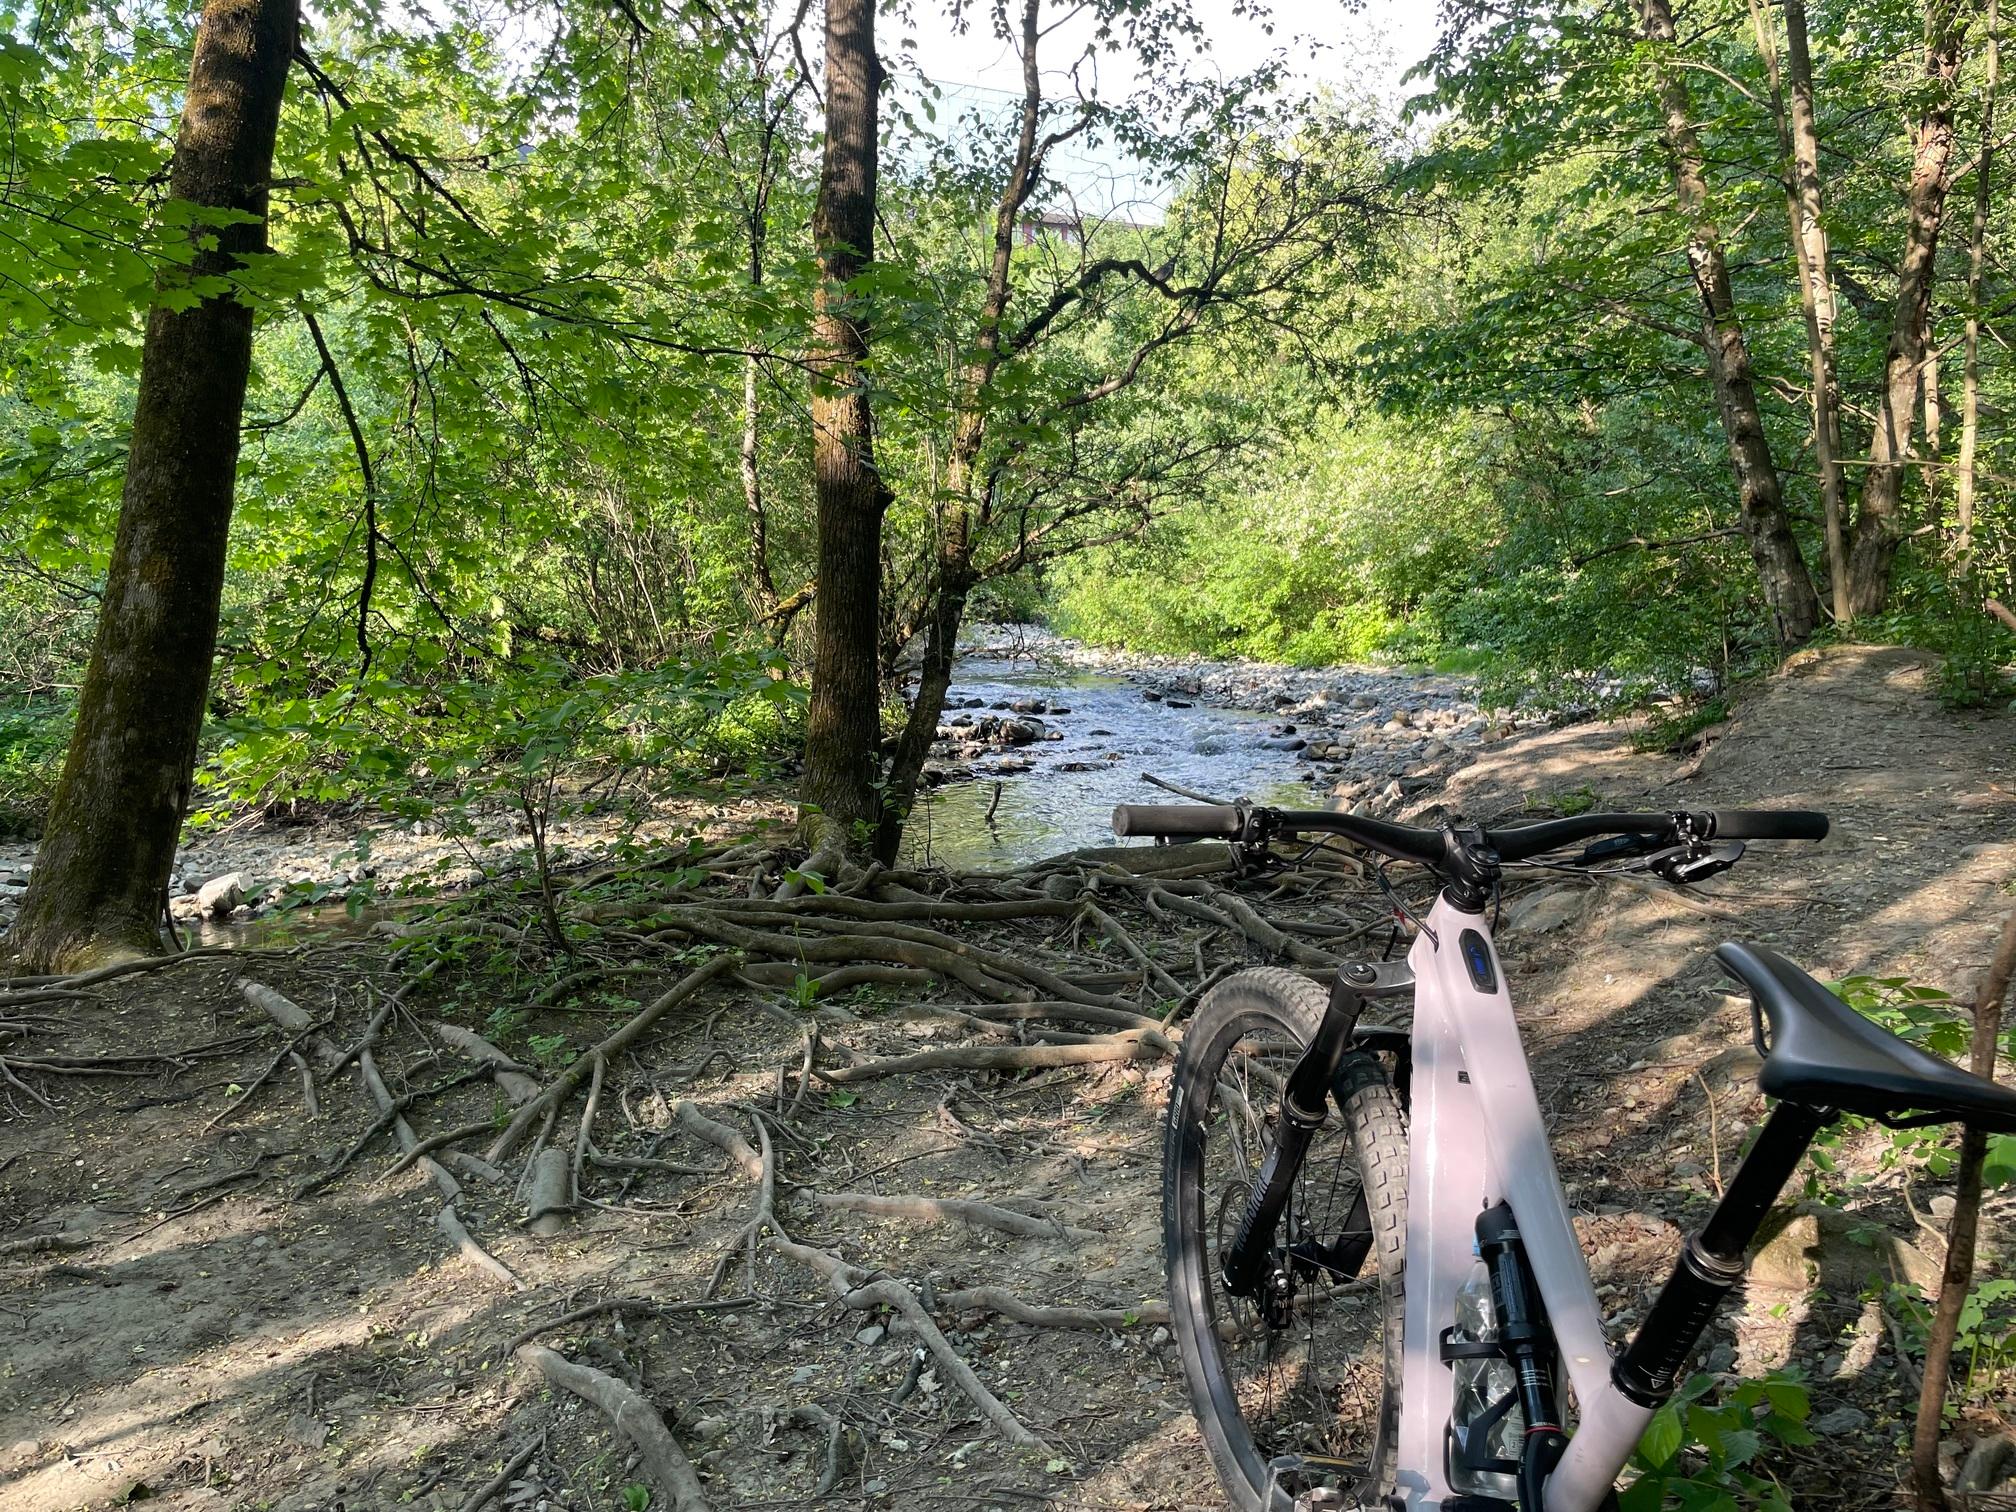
1712, 1260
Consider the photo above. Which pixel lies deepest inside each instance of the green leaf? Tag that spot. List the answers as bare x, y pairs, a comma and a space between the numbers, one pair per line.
1662, 1437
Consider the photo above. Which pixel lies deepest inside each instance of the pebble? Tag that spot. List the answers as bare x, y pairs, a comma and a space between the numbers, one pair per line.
872, 1335
1840, 1420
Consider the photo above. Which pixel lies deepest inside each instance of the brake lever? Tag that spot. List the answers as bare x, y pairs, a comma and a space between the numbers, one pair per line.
1615, 848
1684, 865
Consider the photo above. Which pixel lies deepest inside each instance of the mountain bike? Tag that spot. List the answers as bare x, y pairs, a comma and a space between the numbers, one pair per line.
1374, 1281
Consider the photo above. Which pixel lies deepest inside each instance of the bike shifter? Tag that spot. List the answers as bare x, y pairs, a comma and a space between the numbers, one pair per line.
1687, 864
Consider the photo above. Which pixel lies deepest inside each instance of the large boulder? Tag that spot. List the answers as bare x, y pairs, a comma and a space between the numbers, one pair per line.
217, 897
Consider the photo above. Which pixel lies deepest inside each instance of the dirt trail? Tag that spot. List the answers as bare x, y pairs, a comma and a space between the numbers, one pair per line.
206, 1336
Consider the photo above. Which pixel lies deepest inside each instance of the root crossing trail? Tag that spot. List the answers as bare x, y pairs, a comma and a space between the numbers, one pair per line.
851, 1196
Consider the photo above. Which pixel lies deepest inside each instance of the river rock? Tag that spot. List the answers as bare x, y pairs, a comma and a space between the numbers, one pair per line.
1840, 1420
220, 895
1029, 706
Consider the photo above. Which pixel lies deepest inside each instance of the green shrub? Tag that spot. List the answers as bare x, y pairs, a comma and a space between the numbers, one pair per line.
33, 735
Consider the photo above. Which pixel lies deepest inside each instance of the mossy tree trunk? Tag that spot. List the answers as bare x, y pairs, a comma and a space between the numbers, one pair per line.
101, 875
843, 767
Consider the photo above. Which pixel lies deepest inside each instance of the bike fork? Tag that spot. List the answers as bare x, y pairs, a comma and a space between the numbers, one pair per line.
1304, 1104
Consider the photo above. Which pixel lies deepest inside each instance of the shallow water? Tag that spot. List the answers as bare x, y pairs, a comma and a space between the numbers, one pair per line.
1045, 810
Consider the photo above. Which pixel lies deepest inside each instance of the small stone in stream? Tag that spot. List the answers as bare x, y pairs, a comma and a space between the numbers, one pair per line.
872, 1335
1840, 1420
1001, 707
1099, 734
1181, 703
1059, 709
1029, 706
1053, 734
220, 895
975, 703
1151, 695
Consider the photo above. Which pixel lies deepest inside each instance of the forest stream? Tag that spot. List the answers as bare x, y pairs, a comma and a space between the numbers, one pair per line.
1043, 736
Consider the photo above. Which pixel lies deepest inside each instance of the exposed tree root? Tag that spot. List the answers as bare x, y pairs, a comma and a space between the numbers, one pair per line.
993, 1299
950, 1210
1131, 1046
664, 1461
488, 1492
642, 1305
295, 1021
564, 1085
859, 1290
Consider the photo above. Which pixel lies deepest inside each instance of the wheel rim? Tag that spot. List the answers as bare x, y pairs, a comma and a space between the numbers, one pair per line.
1316, 1386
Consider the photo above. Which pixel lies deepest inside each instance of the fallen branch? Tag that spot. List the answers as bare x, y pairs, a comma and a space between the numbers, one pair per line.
664, 1461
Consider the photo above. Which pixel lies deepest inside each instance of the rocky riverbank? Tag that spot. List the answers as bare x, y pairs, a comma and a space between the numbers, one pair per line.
1077, 724
1365, 737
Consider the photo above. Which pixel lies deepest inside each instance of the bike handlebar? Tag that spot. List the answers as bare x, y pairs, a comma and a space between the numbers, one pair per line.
1404, 842
1173, 819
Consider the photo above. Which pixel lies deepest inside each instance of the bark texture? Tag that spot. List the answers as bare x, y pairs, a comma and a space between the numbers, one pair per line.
1977, 255
1800, 139
842, 759
1767, 528
954, 571
1879, 524
101, 875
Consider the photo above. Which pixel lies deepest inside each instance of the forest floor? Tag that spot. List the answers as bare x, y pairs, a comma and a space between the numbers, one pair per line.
194, 1315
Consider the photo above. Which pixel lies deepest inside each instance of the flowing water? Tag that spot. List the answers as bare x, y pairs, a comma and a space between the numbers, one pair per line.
1111, 735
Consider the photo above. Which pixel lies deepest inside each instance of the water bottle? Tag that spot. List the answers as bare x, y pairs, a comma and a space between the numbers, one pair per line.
1480, 1383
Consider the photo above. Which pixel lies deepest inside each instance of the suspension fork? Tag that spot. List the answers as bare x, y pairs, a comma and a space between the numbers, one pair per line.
1305, 1102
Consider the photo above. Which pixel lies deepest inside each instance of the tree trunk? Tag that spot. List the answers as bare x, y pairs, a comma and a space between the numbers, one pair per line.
1977, 252
960, 512
920, 729
1879, 520
1957, 1275
1799, 139
763, 585
101, 875
842, 764
1788, 590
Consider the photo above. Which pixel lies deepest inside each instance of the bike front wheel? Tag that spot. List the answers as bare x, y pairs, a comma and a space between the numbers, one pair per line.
1297, 1391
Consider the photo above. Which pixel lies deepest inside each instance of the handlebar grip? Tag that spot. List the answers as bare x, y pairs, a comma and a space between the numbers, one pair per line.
1770, 824
1173, 819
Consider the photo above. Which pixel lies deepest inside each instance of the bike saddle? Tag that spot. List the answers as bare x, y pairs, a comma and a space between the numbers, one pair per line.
1825, 1054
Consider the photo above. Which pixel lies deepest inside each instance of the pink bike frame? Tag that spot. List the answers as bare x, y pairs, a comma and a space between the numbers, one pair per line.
1476, 1138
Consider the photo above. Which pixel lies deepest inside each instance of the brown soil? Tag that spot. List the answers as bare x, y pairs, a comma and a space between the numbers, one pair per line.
207, 1339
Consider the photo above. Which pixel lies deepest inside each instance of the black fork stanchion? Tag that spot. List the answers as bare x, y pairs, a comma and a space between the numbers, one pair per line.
1712, 1261
1304, 1104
